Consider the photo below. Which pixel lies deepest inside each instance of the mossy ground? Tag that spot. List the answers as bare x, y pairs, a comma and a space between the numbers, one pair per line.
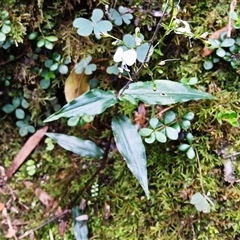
173, 178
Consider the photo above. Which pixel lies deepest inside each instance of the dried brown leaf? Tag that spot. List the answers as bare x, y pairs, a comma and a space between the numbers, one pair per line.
76, 85
27, 148
107, 211
215, 35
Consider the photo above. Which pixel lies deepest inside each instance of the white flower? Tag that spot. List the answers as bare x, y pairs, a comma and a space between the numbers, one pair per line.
128, 57
182, 30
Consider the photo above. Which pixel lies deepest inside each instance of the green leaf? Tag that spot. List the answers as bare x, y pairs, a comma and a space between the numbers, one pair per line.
129, 144
73, 121
80, 227
169, 117
167, 92
45, 83
40, 43
84, 148
188, 116
31, 129
2, 37
154, 122
160, 137
191, 153
97, 15
200, 203
234, 15
6, 29
145, 132
177, 127
48, 45
150, 139
85, 27
183, 147
208, 64
227, 42
23, 131
51, 38
63, 69
142, 52
185, 124
102, 27
24, 103
92, 102
19, 113
8, 108
171, 133
33, 35
16, 102
221, 52
54, 67
189, 137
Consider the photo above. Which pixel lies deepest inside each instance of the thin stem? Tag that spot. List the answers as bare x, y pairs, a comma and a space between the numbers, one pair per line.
150, 43
102, 166
200, 171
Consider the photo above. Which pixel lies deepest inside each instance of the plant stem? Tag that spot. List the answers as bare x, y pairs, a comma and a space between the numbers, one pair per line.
102, 166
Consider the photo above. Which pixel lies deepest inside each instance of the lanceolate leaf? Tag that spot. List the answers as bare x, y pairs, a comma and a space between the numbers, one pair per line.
92, 102
167, 92
129, 144
84, 148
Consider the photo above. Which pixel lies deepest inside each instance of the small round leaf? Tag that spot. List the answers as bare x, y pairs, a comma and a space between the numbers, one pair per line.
160, 137
221, 52
188, 116
189, 137
150, 139
8, 108
33, 35
227, 42
185, 124
73, 121
183, 147
145, 132
191, 153
154, 122
44, 83
208, 64
63, 69
171, 133
19, 113
40, 43
169, 117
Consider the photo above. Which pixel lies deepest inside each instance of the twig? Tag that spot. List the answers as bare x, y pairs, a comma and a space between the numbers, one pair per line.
149, 48
151, 43
44, 224
200, 171
230, 21
103, 164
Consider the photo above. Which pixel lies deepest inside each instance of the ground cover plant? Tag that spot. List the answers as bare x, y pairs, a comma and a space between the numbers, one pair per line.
145, 102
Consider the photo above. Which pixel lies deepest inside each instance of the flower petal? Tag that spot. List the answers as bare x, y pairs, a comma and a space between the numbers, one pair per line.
118, 55
129, 57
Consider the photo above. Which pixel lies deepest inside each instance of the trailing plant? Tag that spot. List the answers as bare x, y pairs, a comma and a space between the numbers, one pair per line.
97, 101
226, 48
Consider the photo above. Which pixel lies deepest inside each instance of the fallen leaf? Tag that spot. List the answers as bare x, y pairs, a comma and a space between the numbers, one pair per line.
10, 233
76, 85
62, 227
215, 35
83, 217
140, 116
107, 211
27, 148
229, 172
45, 199
2, 206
